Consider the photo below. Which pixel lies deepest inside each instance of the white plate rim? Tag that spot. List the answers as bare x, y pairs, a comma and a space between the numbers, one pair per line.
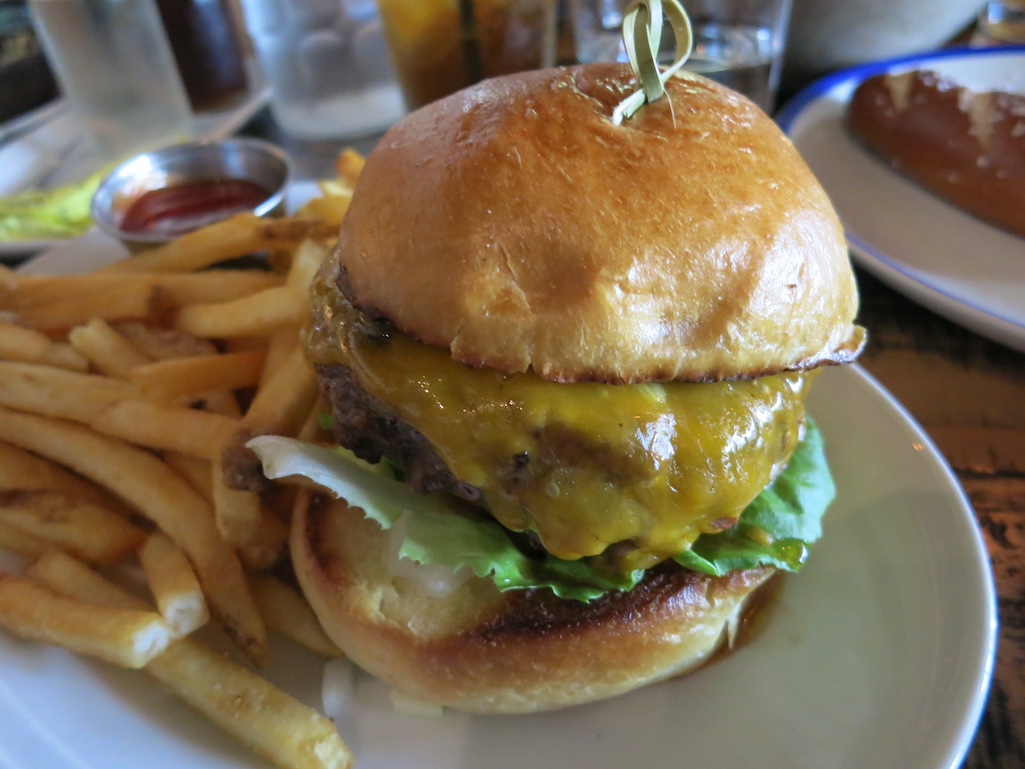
989, 323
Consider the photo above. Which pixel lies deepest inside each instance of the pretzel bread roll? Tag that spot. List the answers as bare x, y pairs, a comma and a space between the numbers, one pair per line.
968, 148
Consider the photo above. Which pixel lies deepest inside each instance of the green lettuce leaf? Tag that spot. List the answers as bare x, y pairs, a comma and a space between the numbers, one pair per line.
442, 531
787, 516
779, 524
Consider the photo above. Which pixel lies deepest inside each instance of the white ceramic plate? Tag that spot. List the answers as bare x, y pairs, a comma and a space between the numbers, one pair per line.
878, 654
949, 261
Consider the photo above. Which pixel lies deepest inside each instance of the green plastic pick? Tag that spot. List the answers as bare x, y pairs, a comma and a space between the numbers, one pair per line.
642, 36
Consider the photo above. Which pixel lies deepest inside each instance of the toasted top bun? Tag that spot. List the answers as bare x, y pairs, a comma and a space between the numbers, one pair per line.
514, 224
476, 649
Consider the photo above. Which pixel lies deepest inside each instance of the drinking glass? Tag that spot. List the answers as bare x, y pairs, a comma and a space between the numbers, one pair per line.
327, 64
1001, 22
114, 65
208, 48
740, 43
441, 46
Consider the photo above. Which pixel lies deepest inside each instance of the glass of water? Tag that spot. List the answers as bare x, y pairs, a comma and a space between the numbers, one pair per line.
328, 66
115, 67
740, 43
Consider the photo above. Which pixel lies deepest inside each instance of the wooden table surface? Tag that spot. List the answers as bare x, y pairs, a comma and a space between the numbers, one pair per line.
969, 395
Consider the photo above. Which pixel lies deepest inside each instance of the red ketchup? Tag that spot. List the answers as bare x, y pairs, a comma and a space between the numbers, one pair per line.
189, 206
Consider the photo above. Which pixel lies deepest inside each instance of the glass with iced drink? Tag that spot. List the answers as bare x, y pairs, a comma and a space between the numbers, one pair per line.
1001, 22
739, 43
441, 46
327, 64
208, 48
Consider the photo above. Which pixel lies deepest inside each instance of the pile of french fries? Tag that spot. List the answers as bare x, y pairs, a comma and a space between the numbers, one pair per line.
126, 398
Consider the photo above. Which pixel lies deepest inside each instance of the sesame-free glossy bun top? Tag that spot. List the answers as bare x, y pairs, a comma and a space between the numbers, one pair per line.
515, 225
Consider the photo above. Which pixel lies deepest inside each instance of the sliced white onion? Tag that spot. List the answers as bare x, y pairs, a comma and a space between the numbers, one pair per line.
435, 579
338, 689
412, 706
733, 628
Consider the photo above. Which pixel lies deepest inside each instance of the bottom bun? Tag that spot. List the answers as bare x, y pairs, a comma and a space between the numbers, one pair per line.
471, 647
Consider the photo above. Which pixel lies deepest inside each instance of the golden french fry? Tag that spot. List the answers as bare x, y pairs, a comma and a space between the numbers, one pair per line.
246, 523
108, 351
59, 393
169, 380
279, 408
268, 545
284, 402
195, 470
258, 313
227, 239
287, 232
127, 637
177, 288
223, 403
129, 303
237, 512
268, 720
240, 235
160, 343
282, 343
312, 431
169, 428
245, 705
83, 529
30, 346
349, 165
216, 285
22, 344
256, 318
21, 542
306, 260
287, 611
69, 576
174, 585
163, 496
330, 208
64, 355
20, 469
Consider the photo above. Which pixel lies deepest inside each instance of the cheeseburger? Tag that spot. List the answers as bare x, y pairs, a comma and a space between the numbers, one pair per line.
570, 359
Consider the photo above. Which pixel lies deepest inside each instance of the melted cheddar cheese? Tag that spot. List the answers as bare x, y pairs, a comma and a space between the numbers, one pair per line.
645, 467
